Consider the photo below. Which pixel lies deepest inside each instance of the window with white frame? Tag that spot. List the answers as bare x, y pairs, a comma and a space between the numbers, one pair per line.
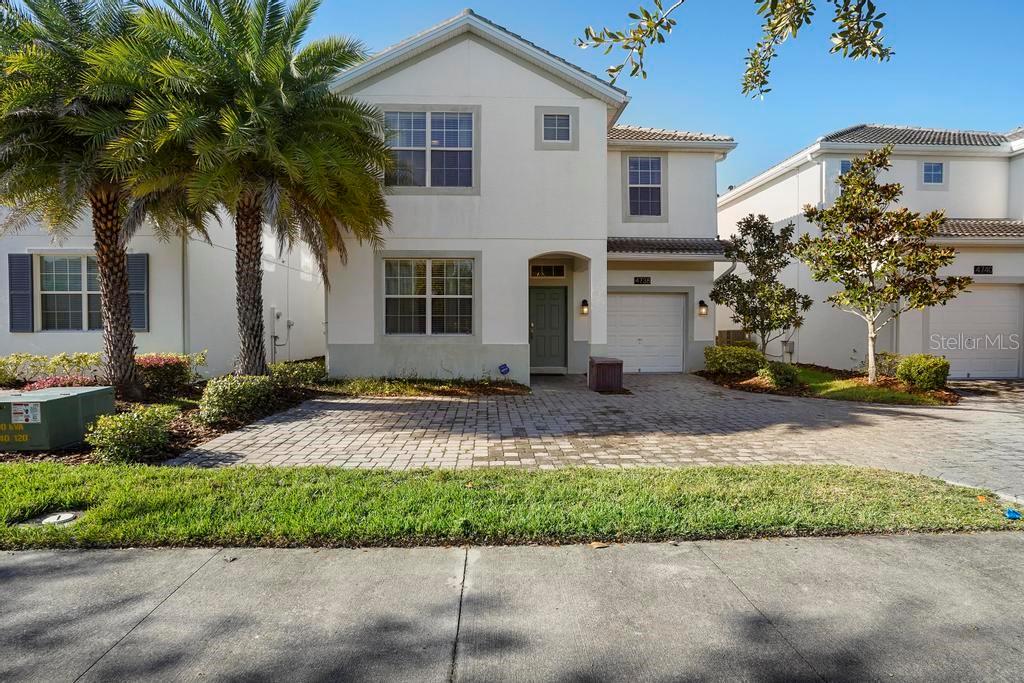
844, 166
644, 186
445, 160
69, 293
557, 128
428, 296
933, 173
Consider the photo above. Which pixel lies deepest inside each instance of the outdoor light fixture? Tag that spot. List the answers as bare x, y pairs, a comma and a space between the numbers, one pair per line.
584, 307
702, 307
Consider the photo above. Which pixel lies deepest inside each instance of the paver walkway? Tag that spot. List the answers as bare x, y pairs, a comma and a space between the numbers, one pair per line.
668, 420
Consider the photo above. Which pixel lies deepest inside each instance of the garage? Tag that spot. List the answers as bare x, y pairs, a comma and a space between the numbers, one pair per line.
980, 332
647, 331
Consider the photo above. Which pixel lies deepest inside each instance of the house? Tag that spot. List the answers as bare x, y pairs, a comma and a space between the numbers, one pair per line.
977, 178
531, 230
182, 296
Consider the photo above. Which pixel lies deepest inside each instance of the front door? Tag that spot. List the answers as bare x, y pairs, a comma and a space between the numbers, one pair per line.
547, 329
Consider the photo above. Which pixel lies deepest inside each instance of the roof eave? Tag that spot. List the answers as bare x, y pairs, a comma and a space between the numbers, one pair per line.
979, 241
662, 256
702, 145
468, 22
946, 150
803, 156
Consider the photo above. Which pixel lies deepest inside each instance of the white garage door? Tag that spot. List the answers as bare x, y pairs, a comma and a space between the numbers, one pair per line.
646, 331
980, 332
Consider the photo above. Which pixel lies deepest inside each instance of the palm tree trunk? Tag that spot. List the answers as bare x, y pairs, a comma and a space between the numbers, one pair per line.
112, 263
252, 356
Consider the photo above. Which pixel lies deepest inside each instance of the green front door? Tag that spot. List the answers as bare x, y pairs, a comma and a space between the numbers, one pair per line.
547, 328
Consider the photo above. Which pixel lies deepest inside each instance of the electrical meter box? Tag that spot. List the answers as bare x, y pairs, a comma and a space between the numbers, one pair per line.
48, 419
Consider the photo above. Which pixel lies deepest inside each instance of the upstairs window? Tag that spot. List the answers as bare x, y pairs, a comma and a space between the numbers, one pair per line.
557, 128
844, 166
445, 161
933, 173
644, 186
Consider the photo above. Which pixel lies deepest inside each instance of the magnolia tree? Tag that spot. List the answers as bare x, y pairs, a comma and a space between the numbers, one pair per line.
880, 256
760, 303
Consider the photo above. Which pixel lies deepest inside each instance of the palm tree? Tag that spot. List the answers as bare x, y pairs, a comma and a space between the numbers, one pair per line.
229, 107
51, 146
54, 165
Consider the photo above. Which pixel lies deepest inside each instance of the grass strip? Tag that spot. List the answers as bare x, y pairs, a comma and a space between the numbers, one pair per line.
134, 505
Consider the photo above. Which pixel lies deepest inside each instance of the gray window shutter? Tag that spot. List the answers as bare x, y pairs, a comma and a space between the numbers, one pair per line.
19, 279
138, 291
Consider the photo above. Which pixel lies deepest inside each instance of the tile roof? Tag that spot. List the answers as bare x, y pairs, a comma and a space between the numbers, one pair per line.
879, 134
982, 227
666, 245
640, 133
1016, 134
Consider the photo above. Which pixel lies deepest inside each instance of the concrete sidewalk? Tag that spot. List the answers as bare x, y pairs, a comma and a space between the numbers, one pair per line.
898, 608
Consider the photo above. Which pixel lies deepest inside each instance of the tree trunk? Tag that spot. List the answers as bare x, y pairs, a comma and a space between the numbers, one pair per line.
872, 369
252, 356
112, 263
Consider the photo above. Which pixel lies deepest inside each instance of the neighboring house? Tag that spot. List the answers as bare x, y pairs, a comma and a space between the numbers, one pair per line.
182, 296
530, 230
977, 178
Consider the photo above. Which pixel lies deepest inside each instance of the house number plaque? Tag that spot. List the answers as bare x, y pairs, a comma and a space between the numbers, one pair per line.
642, 280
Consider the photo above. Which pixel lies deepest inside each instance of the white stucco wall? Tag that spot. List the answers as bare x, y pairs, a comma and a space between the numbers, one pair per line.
530, 203
689, 198
290, 284
979, 187
1016, 198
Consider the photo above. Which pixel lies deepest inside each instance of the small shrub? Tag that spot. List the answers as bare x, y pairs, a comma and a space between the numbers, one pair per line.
19, 368
734, 361
236, 397
167, 374
781, 375
62, 381
298, 374
131, 436
742, 343
886, 363
924, 371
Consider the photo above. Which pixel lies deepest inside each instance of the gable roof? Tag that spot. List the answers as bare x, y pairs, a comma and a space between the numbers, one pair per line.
469, 22
982, 228
881, 134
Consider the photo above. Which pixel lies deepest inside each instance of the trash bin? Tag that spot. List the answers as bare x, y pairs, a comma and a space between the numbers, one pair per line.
605, 374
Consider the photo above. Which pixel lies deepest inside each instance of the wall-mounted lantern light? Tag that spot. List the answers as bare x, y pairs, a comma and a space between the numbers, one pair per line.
584, 307
702, 307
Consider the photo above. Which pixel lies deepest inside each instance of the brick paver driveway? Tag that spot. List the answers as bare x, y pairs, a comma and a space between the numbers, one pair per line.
668, 420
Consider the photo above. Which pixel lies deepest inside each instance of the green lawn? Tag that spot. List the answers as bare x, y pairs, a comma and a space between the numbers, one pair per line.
824, 384
162, 506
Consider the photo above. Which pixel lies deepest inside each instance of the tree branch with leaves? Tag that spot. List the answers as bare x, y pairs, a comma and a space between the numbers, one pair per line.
858, 34
761, 304
882, 258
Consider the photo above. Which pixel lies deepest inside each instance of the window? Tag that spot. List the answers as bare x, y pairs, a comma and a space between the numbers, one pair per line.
557, 128
844, 166
644, 186
69, 293
547, 270
450, 159
428, 296
932, 173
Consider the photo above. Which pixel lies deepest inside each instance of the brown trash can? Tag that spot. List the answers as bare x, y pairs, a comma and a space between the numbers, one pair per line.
605, 374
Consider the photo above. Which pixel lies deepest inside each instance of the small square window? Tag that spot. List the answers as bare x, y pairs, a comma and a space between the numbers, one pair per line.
557, 128
844, 166
934, 173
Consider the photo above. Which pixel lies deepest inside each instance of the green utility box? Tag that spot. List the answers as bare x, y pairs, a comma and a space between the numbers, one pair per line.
50, 418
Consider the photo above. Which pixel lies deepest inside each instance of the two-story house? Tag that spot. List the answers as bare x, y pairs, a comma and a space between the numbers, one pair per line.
977, 178
530, 230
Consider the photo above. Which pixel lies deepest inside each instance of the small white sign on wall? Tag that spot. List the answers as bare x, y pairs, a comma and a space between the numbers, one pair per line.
25, 413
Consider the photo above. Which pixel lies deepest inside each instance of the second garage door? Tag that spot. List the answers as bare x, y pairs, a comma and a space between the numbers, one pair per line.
980, 332
647, 331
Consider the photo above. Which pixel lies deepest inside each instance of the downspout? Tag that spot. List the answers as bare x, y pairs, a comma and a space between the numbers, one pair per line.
186, 332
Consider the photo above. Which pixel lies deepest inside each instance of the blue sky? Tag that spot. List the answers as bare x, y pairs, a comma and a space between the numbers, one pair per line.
957, 65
